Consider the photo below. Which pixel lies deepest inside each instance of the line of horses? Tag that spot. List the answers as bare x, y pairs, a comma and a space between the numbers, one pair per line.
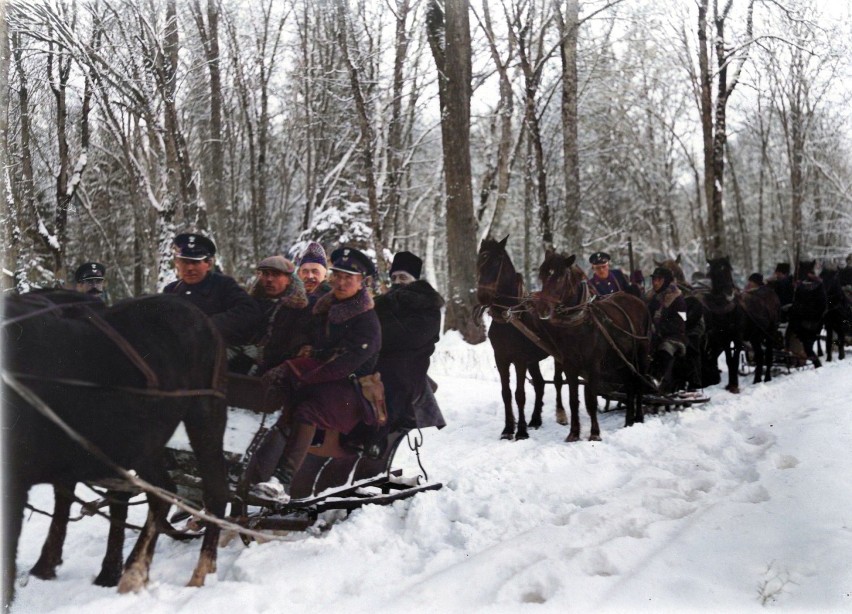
606, 340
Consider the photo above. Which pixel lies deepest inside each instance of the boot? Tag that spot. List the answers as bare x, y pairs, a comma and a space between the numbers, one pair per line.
661, 371
277, 488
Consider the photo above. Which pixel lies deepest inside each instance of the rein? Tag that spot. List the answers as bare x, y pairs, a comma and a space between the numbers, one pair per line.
169, 497
151, 380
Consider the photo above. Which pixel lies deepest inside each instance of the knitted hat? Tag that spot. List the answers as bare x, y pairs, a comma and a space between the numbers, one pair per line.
408, 262
314, 253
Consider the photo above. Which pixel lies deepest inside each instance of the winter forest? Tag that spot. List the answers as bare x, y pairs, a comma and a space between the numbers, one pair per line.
692, 127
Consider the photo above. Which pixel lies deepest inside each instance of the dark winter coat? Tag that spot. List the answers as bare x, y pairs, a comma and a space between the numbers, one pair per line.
234, 313
318, 390
614, 282
809, 306
668, 315
285, 325
783, 288
410, 316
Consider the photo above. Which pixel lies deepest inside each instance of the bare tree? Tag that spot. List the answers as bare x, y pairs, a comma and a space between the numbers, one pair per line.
449, 39
725, 74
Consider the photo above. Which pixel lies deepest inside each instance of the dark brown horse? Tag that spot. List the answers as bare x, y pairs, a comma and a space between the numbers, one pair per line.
500, 289
603, 340
734, 316
122, 380
725, 318
697, 370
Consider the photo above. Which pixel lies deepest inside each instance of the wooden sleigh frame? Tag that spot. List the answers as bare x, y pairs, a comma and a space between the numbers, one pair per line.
333, 475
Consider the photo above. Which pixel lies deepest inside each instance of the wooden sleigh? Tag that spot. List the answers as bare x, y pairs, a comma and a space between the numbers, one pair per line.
334, 475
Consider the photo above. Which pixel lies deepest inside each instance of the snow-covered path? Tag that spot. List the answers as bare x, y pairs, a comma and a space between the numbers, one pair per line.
741, 503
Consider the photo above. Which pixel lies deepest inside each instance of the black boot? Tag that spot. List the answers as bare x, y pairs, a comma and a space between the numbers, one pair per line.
661, 371
277, 488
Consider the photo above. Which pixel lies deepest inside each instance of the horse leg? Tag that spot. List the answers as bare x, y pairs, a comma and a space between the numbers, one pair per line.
51, 551
574, 404
829, 339
506, 392
538, 386
206, 431
634, 412
732, 359
759, 358
815, 356
561, 418
15, 498
114, 557
591, 399
521, 399
135, 575
768, 355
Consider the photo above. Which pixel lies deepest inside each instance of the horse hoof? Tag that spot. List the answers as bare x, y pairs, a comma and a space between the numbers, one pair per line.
43, 572
594, 437
535, 424
507, 436
107, 579
733, 389
572, 438
523, 435
132, 580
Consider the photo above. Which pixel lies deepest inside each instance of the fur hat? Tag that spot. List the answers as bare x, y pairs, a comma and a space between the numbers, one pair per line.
277, 263
599, 258
408, 262
352, 261
89, 270
314, 253
783, 268
662, 272
193, 246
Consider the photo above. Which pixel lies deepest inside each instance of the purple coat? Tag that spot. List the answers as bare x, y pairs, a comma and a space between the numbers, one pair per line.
346, 342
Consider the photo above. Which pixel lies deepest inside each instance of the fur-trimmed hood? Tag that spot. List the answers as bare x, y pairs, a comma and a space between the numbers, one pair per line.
341, 311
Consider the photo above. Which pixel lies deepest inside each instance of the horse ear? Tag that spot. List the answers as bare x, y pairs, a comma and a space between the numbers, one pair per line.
677, 260
503, 242
570, 260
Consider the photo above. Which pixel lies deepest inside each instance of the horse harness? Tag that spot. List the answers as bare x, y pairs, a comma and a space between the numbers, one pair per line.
151, 380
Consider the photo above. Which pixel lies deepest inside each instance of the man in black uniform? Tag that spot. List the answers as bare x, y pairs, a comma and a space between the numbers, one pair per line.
605, 280
89, 278
234, 313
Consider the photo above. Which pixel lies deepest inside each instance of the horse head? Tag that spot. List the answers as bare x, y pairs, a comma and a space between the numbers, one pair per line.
559, 281
721, 276
495, 272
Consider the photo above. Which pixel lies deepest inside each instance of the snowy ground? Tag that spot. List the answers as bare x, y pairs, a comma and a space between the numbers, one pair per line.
742, 503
